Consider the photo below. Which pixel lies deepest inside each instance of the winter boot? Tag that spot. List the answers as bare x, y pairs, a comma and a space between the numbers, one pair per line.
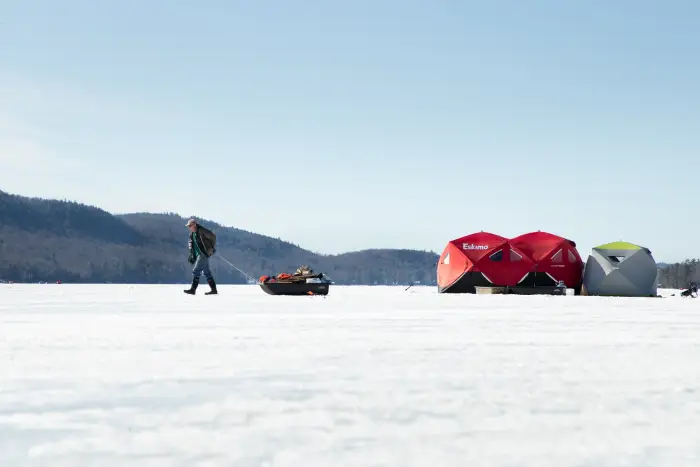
193, 287
212, 284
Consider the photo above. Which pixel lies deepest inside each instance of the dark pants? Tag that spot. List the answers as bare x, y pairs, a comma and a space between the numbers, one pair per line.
201, 265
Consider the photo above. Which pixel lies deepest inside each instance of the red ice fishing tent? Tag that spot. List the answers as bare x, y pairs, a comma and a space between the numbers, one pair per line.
483, 259
480, 259
555, 259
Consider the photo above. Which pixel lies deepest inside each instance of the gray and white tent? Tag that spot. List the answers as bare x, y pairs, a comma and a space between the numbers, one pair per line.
620, 269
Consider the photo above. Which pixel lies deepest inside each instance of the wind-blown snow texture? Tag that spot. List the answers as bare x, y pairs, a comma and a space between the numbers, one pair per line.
370, 376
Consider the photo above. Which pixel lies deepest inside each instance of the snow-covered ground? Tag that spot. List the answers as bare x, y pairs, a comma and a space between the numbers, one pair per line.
370, 376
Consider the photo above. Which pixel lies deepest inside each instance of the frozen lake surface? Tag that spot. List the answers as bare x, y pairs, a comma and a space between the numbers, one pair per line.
132, 376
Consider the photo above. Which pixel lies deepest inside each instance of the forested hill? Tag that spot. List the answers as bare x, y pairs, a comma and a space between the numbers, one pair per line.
50, 240
679, 275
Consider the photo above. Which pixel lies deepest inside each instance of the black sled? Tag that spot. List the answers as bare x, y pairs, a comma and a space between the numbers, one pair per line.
288, 288
302, 282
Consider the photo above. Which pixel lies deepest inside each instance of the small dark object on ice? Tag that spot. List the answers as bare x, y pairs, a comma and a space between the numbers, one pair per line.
302, 282
692, 291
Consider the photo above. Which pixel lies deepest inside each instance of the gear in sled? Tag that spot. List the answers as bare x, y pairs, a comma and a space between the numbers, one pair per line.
304, 281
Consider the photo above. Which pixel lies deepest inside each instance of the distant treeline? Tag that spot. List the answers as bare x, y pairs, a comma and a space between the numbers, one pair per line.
51, 240
679, 275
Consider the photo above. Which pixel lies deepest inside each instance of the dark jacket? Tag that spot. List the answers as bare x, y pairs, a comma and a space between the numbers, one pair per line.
206, 241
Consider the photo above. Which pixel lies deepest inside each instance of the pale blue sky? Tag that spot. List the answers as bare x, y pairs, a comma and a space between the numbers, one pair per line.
404, 124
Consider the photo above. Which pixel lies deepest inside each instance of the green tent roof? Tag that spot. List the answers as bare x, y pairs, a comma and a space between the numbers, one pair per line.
619, 246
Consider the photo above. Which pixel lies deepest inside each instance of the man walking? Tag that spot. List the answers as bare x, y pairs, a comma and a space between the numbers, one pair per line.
202, 245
